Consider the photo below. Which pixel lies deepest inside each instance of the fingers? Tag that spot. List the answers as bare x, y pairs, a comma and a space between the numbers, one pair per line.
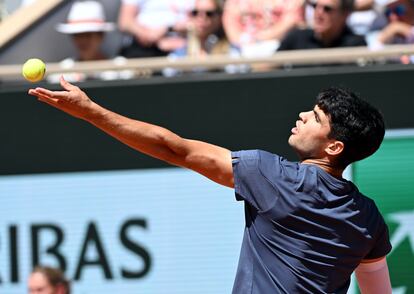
66, 85
49, 101
50, 94
45, 98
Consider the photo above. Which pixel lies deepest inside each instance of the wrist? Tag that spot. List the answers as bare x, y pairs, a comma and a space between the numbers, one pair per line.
95, 113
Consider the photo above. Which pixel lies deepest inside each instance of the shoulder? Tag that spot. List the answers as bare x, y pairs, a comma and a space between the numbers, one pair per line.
297, 33
295, 38
255, 154
271, 166
351, 39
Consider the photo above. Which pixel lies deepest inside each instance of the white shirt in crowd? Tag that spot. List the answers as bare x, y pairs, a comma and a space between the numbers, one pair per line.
161, 13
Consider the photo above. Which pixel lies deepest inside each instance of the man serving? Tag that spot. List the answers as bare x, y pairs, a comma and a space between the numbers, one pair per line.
307, 229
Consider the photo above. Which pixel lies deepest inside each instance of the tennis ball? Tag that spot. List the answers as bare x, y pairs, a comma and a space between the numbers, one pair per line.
34, 70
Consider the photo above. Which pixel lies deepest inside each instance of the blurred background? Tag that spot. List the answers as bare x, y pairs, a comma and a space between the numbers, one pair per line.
233, 73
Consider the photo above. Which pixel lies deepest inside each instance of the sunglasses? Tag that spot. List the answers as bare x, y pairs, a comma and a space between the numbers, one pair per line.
325, 8
208, 13
398, 10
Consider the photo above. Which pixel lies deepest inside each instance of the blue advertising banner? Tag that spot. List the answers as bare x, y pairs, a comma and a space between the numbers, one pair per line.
140, 231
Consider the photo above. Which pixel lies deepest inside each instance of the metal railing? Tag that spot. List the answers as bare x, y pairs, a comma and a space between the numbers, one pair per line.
358, 55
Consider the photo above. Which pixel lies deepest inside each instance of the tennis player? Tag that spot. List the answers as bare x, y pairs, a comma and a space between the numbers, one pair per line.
307, 229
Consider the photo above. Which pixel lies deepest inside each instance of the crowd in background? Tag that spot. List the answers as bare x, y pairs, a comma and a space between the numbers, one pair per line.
250, 28
260, 27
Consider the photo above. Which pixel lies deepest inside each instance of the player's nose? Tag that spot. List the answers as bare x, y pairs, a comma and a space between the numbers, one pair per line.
302, 116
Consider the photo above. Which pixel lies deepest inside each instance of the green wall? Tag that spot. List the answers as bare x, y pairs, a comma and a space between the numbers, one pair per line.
387, 177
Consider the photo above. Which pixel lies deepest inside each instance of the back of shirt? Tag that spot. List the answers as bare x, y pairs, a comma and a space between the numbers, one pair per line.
306, 231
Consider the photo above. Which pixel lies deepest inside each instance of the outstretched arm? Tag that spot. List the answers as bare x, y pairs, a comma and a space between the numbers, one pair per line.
209, 160
373, 277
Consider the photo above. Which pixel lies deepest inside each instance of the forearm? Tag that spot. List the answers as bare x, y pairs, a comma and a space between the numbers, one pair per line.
209, 160
212, 161
127, 22
279, 31
133, 28
146, 138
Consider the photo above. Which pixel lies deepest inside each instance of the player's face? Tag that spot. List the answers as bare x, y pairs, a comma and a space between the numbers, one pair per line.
38, 284
309, 137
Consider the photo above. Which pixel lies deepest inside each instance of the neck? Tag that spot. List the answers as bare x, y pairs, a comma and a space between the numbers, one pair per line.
326, 166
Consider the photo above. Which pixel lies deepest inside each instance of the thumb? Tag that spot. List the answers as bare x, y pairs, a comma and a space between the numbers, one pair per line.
65, 84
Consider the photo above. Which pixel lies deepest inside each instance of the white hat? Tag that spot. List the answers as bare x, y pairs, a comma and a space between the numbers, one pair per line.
85, 17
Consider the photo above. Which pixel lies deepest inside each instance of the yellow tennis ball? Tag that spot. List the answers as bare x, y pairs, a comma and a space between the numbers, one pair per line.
34, 70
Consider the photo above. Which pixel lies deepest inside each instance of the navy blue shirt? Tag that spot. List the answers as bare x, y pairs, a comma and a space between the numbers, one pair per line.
305, 39
306, 231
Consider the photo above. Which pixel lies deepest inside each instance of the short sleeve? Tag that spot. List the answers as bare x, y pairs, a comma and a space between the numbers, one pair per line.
382, 246
253, 178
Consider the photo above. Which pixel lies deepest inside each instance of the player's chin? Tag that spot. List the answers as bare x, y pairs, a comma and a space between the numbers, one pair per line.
292, 141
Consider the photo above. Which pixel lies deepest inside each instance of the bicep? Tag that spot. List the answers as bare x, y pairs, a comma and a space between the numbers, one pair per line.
210, 160
373, 276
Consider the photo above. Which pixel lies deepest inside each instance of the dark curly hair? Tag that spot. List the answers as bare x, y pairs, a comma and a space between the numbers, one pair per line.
353, 121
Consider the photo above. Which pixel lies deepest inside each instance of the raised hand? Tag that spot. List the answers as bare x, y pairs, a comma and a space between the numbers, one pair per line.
72, 101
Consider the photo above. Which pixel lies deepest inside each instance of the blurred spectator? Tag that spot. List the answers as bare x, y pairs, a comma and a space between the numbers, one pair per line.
400, 26
364, 14
361, 20
205, 33
256, 27
48, 280
329, 28
154, 27
86, 25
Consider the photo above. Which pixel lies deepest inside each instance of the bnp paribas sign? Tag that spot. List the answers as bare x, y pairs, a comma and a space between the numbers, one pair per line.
388, 178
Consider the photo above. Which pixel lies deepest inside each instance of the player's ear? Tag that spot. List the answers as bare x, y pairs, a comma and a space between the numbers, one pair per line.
334, 148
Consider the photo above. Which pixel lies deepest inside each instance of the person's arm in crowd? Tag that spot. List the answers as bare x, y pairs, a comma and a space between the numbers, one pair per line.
127, 23
373, 276
292, 19
395, 29
212, 161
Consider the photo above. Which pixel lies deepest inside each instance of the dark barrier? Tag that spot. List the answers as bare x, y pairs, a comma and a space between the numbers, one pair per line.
234, 111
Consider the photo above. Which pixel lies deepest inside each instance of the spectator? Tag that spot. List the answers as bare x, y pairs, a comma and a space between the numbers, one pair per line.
255, 27
329, 29
365, 13
361, 20
400, 26
86, 25
48, 280
205, 33
154, 27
